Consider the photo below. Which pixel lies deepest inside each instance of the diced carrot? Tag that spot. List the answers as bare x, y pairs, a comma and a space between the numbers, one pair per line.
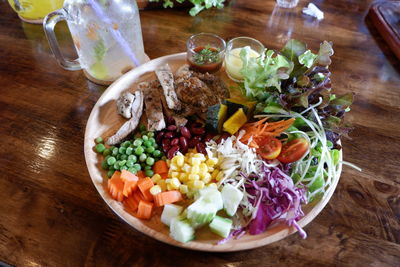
145, 209
130, 180
164, 175
160, 167
117, 174
131, 202
116, 188
167, 197
144, 186
140, 174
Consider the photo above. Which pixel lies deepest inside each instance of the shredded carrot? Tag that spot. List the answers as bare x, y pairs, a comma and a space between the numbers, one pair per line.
160, 167
130, 181
144, 210
144, 186
167, 197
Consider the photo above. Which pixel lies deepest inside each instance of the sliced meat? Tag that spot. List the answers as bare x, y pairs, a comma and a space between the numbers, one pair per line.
214, 82
154, 113
166, 78
179, 119
129, 126
124, 104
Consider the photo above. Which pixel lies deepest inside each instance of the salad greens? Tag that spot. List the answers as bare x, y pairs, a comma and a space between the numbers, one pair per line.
199, 5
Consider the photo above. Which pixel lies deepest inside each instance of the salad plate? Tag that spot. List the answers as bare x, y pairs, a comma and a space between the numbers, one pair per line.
104, 121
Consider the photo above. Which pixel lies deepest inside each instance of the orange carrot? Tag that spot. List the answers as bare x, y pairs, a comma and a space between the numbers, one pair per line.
116, 188
144, 186
164, 175
167, 197
140, 174
145, 209
131, 202
160, 167
130, 180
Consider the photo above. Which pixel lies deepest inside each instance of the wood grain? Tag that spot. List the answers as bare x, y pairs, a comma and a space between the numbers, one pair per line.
51, 214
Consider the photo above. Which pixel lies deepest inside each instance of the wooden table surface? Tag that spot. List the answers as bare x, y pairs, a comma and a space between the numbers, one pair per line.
51, 214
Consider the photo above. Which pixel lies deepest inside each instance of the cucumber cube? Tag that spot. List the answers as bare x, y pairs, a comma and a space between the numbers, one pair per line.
170, 211
221, 226
181, 231
231, 197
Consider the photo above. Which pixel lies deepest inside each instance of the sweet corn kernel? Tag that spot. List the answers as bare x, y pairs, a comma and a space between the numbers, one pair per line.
183, 188
162, 184
155, 190
186, 168
195, 169
156, 177
207, 178
169, 187
183, 177
219, 176
175, 183
214, 174
211, 169
168, 180
174, 174
211, 162
198, 184
203, 169
194, 177
173, 167
180, 160
195, 161
200, 156
168, 162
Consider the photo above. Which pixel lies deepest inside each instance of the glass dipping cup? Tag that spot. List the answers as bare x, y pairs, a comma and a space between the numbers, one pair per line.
233, 62
197, 42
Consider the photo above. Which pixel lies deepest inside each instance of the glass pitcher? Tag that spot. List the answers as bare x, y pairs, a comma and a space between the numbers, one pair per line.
107, 36
33, 11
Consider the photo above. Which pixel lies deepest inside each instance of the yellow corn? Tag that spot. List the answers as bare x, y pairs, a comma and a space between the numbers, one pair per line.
174, 183
168, 180
162, 184
186, 168
194, 177
200, 156
219, 176
183, 188
174, 174
155, 190
203, 169
196, 184
156, 177
214, 174
180, 160
195, 161
211, 169
207, 178
169, 187
168, 162
173, 167
183, 177
195, 169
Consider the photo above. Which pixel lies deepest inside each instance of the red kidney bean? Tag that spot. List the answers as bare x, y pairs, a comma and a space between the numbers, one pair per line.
169, 134
171, 128
201, 148
208, 137
185, 132
159, 137
166, 142
198, 131
222, 137
192, 143
196, 125
172, 152
184, 150
165, 148
170, 120
198, 138
183, 142
175, 141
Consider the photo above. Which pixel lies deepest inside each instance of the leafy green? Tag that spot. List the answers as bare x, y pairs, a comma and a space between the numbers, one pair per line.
198, 5
307, 58
100, 50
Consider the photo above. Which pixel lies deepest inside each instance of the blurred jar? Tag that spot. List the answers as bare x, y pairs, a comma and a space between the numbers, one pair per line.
34, 11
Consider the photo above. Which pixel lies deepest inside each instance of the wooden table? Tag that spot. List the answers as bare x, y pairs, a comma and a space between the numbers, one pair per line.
51, 214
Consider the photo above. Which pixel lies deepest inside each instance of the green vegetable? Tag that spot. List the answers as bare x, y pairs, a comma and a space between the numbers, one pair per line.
132, 170
150, 150
100, 148
221, 226
137, 166
138, 142
132, 158
139, 150
106, 152
110, 173
180, 230
122, 150
99, 140
111, 161
150, 161
231, 197
149, 173
142, 157
216, 116
199, 5
157, 153
129, 151
104, 165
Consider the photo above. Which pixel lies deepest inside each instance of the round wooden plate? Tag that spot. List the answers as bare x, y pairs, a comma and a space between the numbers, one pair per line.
104, 121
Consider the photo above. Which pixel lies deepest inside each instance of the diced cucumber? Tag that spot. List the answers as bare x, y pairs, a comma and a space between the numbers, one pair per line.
181, 231
231, 197
201, 211
170, 211
221, 226
211, 194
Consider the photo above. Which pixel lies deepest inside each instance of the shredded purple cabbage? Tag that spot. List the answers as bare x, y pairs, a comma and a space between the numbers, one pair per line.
275, 198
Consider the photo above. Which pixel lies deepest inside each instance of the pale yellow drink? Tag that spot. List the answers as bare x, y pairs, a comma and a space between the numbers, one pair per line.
233, 62
35, 10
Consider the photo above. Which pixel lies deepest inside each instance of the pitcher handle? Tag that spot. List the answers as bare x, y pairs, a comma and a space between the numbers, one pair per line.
49, 23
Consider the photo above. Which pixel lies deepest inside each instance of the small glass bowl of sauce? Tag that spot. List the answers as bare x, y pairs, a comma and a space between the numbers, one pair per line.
205, 52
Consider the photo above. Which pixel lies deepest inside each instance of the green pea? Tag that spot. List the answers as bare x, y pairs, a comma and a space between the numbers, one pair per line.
126, 144
164, 158
104, 165
122, 163
157, 153
145, 138
116, 165
129, 163
150, 150
123, 168
122, 150
142, 128
107, 157
147, 143
115, 151
129, 151
138, 142
137, 166
155, 145
106, 152
132, 170
99, 140
124, 157
111, 160
149, 173
147, 167
150, 161
110, 173
132, 158
142, 157
152, 140
100, 148
119, 156
111, 168
150, 134
139, 150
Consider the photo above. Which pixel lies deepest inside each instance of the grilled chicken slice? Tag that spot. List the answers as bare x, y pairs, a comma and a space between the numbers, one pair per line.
129, 126
179, 119
154, 112
124, 104
166, 78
